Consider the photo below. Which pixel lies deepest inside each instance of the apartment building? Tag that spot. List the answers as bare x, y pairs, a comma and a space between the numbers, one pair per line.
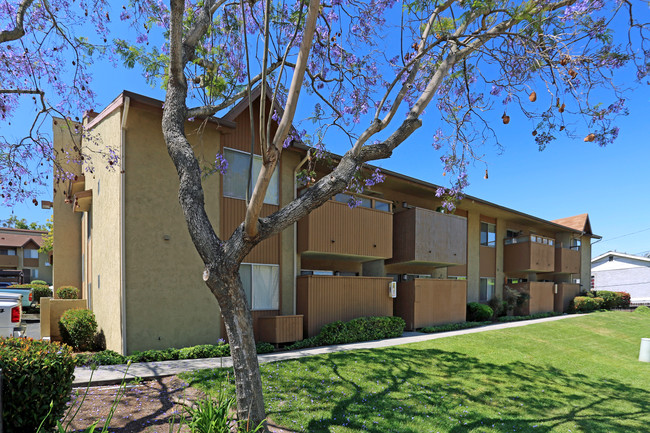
122, 238
19, 251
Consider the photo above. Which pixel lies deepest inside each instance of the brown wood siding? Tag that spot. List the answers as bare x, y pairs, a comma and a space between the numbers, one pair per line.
565, 294
334, 228
528, 257
429, 302
255, 315
233, 213
326, 299
9, 261
280, 329
541, 297
30, 263
426, 236
567, 261
487, 261
457, 271
240, 137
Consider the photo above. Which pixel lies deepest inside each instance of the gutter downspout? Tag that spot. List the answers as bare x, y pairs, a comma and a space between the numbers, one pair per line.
295, 228
125, 113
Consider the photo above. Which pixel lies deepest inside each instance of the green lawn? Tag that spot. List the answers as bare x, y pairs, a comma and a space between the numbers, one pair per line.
573, 375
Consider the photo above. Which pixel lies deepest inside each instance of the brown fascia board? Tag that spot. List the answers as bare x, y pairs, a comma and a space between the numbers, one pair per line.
433, 187
145, 100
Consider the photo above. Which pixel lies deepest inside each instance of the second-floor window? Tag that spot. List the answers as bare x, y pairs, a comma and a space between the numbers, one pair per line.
235, 181
488, 234
31, 254
7, 252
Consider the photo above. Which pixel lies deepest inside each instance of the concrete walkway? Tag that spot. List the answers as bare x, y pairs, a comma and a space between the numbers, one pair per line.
112, 374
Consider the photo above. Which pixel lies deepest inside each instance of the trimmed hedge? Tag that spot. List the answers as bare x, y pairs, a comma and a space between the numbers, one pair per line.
506, 319
361, 329
610, 299
585, 304
78, 328
624, 300
38, 283
453, 327
34, 373
477, 312
642, 309
67, 292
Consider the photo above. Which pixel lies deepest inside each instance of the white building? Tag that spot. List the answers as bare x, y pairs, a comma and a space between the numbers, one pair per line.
620, 272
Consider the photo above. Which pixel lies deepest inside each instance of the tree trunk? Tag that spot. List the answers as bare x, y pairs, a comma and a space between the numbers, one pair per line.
239, 328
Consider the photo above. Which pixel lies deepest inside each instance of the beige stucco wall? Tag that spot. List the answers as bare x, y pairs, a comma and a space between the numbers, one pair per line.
473, 262
51, 312
585, 263
500, 275
167, 302
102, 252
67, 224
290, 161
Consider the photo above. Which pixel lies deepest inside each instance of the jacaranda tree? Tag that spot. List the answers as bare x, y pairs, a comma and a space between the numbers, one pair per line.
365, 69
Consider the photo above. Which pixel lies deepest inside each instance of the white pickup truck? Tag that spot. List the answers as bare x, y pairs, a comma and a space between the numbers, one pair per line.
11, 315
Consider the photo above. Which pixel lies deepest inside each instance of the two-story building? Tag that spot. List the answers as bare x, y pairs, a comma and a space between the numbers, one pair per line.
121, 237
19, 250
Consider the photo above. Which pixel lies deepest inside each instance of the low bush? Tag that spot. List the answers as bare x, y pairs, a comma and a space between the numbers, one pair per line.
156, 355
34, 373
38, 283
263, 347
585, 304
642, 310
67, 292
528, 317
78, 328
478, 312
624, 300
610, 299
205, 351
361, 329
304, 344
41, 291
453, 327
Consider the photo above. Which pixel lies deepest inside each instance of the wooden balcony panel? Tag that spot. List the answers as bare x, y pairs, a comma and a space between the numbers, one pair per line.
567, 261
528, 257
425, 236
280, 329
8, 261
541, 297
233, 213
336, 229
430, 302
325, 299
565, 294
30, 263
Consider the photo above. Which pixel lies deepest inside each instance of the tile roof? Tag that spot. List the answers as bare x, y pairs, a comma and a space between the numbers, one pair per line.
577, 222
16, 238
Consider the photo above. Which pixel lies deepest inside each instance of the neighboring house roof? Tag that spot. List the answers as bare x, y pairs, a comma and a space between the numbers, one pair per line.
18, 238
577, 222
644, 260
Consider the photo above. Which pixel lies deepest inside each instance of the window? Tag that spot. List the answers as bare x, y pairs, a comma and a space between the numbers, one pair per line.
488, 234
261, 285
236, 178
486, 289
34, 274
575, 244
7, 252
511, 234
450, 277
30, 254
382, 205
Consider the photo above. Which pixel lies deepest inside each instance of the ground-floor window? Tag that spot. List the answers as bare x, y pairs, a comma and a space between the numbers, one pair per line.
486, 289
261, 285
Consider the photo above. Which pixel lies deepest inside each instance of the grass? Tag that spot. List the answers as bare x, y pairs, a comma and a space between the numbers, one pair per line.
575, 375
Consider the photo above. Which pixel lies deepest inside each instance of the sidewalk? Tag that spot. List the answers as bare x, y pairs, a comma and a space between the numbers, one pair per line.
113, 374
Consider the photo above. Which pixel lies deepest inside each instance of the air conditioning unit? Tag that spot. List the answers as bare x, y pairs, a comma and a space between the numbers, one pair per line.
392, 289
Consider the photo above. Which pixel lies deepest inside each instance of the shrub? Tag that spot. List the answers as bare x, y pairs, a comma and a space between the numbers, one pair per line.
38, 283
263, 347
625, 299
453, 327
478, 312
205, 351
78, 328
361, 329
610, 299
642, 310
304, 344
585, 304
67, 292
107, 357
528, 317
34, 373
499, 307
156, 355
41, 291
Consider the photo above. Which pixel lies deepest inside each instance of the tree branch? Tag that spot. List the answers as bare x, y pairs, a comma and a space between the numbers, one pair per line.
18, 31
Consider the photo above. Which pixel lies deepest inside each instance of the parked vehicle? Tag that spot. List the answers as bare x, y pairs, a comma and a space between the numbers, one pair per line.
11, 315
12, 276
26, 292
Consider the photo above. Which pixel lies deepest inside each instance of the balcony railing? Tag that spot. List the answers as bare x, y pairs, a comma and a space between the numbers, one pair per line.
8, 261
567, 261
337, 229
529, 254
428, 237
429, 302
563, 295
541, 297
325, 299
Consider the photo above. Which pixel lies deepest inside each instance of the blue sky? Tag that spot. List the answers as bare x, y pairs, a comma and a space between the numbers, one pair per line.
570, 177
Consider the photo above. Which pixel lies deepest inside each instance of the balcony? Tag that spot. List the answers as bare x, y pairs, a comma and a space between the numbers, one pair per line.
335, 229
429, 302
541, 297
7, 261
324, 299
529, 254
423, 236
567, 261
563, 296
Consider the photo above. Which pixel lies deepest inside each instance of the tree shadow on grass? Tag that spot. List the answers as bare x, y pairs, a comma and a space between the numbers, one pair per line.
417, 390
